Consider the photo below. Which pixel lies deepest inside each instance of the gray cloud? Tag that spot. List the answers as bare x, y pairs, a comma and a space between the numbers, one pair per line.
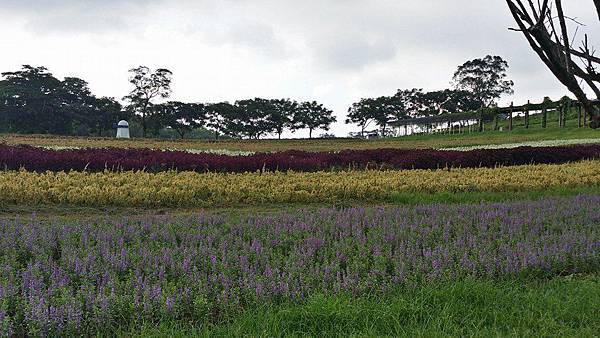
352, 52
77, 16
246, 34
335, 51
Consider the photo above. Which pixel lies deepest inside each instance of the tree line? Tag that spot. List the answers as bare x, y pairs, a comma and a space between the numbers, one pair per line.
33, 101
476, 84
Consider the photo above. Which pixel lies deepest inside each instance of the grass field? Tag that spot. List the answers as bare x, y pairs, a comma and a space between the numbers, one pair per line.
509, 251
411, 142
564, 306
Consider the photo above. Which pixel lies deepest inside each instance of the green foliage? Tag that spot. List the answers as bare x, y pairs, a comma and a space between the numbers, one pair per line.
311, 116
562, 306
180, 117
32, 100
484, 78
147, 86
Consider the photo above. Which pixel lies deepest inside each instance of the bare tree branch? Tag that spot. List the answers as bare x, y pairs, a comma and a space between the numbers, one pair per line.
565, 34
551, 43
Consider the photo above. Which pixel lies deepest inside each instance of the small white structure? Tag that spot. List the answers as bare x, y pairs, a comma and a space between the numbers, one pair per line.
123, 129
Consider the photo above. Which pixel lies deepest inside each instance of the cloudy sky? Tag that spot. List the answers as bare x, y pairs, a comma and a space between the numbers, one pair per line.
332, 51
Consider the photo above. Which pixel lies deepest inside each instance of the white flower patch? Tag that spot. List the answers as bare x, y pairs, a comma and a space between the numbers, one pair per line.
220, 152
549, 143
191, 151
59, 147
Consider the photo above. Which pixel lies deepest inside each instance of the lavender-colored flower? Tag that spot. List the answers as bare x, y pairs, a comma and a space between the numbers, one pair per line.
72, 275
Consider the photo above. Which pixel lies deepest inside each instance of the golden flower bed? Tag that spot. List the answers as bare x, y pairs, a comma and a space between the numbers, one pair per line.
188, 189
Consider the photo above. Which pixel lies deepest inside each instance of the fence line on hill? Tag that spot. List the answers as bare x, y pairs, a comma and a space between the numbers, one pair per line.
479, 117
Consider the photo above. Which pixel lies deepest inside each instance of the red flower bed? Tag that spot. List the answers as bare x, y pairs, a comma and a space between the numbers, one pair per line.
38, 159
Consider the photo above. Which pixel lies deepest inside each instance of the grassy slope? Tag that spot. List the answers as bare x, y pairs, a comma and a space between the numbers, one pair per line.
520, 134
562, 307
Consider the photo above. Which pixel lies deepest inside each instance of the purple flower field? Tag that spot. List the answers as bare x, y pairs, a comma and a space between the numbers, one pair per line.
37, 159
61, 277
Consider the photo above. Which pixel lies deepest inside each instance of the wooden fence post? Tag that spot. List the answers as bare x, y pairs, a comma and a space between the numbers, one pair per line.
566, 112
544, 116
510, 116
561, 113
527, 115
496, 121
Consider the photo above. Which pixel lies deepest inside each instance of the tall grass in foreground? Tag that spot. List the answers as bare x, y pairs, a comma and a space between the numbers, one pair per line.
559, 307
103, 276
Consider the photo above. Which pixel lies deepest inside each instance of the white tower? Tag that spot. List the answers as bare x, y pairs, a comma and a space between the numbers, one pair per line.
123, 129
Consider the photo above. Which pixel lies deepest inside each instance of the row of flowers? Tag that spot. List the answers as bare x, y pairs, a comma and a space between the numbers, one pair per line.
190, 189
546, 143
90, 278
115, 159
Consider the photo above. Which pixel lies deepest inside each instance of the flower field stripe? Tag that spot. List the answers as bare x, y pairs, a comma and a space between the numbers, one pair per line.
190, 189
73, 277
547, 143
115, 159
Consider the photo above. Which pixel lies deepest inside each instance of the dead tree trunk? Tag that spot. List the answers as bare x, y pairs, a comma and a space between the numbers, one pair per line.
536, 20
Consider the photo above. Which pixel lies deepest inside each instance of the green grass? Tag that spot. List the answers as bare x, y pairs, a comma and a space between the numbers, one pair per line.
535, 121
438, 140
477, 197
565, 306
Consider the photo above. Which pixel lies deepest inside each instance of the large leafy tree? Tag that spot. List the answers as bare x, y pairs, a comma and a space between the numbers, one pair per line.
361, 114
32, 101
147, 86
379, 110
254, 115
77, 104
280, 117
544, 25
409, 103
312, 116
484, 78
182, 117
6, 118
449, 101
107, 111
220, 118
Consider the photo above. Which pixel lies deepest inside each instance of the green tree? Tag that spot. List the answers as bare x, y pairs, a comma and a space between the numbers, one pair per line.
77, 103
281, 116
107, 112
484, 78
182, 117
362, 114
221, 118
449, 101
32, 102
148, 85
253, 117
311, 116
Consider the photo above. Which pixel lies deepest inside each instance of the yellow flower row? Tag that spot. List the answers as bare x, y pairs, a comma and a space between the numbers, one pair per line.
188, 189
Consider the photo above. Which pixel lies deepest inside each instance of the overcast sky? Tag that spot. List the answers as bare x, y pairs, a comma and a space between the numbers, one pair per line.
332, 51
